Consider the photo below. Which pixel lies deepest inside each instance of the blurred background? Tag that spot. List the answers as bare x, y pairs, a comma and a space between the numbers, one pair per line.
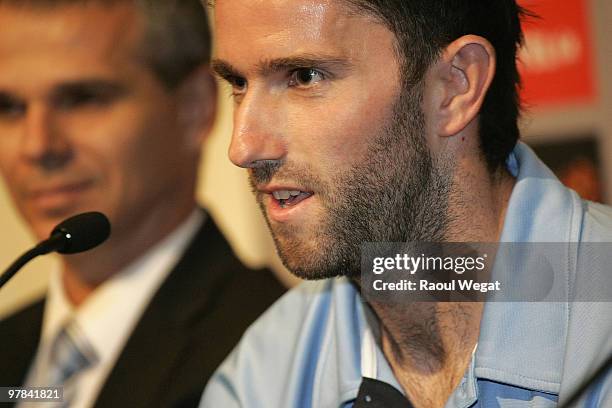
567, 77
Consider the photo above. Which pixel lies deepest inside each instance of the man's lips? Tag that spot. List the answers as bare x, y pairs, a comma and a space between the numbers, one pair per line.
284, 202
271, 188
58, 193
288, 195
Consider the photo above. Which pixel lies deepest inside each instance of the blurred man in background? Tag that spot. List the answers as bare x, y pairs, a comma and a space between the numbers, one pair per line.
104, 106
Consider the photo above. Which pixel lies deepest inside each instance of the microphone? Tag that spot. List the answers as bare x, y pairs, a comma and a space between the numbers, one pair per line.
78, 233
73, 235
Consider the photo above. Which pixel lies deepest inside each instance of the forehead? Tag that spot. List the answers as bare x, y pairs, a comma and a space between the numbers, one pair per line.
64, 39
269, 29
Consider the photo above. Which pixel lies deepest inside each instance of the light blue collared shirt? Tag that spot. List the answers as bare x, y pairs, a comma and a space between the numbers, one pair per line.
307, 350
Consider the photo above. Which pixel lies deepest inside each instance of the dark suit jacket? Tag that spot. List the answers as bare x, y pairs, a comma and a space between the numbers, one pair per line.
191, 324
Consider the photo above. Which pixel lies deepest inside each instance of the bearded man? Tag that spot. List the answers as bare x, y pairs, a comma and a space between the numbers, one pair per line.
396, 121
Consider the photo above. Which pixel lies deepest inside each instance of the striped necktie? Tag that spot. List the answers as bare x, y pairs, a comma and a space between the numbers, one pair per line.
70, 353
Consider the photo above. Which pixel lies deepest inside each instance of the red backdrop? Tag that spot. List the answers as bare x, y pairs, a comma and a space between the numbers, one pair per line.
557, 60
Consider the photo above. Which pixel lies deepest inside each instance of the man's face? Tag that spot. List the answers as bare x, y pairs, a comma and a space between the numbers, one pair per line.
335, 147
84, 124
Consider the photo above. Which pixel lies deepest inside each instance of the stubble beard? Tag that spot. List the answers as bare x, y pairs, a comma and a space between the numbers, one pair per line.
399, 193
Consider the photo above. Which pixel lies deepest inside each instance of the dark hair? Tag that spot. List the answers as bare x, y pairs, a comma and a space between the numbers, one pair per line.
423, 28
177, 36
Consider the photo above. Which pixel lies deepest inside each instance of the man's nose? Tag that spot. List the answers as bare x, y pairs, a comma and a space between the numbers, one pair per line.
43, 142
257, 135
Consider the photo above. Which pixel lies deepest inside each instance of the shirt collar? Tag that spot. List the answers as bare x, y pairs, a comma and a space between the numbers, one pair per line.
522, 343
126, 294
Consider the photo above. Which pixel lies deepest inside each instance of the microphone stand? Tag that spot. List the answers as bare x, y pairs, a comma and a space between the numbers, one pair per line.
78, 233
49, 245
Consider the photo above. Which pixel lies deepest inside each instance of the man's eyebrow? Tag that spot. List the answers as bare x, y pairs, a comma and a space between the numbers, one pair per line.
224, 69
7, 96
266, 67
104, 86
275, 65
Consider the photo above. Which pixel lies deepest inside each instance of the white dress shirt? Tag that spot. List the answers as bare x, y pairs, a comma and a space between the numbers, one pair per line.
109, 315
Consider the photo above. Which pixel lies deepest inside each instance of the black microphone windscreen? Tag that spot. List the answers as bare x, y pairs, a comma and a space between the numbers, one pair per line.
82, 232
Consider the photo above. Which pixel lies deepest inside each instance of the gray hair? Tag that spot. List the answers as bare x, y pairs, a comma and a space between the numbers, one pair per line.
177, 37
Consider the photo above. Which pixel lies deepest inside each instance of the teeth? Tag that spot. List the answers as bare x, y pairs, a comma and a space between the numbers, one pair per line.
285, 194
281, 194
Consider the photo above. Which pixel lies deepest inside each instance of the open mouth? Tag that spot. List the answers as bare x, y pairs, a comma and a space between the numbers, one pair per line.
289, 198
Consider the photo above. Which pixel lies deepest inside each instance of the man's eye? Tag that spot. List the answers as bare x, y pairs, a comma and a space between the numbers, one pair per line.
77, 99
305, 77
11, 108
238, 85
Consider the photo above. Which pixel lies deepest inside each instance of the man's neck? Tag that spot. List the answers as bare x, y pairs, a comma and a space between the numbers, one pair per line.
83, 273
429, 345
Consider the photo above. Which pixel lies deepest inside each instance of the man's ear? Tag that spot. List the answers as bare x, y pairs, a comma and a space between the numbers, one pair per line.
197, 108
463, 74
